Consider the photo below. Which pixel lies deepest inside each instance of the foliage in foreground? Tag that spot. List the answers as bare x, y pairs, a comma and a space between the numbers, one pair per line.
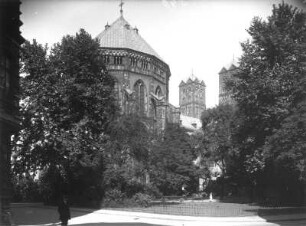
218, 125
71, 134
172, 162
66, 106
268, 136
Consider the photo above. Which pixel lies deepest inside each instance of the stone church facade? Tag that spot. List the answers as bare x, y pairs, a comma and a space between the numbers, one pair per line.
141, 76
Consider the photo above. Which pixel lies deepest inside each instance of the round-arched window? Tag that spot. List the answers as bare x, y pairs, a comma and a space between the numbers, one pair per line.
158, 91
140, 100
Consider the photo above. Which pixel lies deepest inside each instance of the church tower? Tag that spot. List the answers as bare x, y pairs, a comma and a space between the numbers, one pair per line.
192, 97
141, 75
225, 74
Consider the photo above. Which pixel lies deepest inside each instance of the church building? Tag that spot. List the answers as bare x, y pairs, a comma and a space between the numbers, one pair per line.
192, 97
141, 76
225, 74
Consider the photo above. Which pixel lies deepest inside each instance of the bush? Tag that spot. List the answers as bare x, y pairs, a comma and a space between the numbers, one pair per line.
133, 187
142, 200
50, 185
152, 191
113, 197
26, 189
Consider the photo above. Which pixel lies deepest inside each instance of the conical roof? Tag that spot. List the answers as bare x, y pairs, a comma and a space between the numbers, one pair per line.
120, 34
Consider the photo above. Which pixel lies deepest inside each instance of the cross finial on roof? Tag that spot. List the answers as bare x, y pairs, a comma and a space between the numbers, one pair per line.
121, 4
192, 75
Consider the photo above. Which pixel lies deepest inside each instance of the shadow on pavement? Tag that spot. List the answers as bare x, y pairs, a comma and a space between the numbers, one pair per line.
117, 224
276, 215
38, 215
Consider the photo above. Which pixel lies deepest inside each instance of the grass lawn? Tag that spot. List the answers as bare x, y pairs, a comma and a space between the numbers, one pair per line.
213, 209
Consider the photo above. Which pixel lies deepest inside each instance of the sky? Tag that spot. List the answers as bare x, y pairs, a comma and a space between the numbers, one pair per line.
196, 37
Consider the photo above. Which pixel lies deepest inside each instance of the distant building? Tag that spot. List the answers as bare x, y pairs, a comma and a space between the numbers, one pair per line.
10, 41
141, 75
192, 97
225, 74
190, 123
192, 103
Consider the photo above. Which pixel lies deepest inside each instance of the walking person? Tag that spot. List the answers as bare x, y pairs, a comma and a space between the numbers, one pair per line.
64, 211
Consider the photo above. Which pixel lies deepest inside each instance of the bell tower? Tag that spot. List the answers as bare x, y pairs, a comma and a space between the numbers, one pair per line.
192, 97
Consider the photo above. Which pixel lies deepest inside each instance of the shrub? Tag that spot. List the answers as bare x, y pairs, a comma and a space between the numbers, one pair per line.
50, 184
114, 196
133, 187
142, 200
153, 191
26, 189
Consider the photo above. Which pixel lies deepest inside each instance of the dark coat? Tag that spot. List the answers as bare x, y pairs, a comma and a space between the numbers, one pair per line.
64, 211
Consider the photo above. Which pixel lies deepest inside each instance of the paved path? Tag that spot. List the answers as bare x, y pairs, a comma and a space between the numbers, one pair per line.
47, 216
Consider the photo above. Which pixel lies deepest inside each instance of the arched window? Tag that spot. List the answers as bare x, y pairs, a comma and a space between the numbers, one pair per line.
153, 108
126, 104
158, 92
116, 89
133, 61
140, 99
118, 60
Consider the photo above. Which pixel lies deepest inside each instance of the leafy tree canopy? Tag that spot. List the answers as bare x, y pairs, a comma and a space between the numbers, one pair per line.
66, 104
217, 125
172, 162
269, 89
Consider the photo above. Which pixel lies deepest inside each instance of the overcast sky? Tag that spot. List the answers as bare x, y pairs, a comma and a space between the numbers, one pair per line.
199, 36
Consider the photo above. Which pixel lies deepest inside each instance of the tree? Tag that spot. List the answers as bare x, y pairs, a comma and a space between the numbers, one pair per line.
127, 155
218, 125
285, 153
67, 105
172, 164
268, 90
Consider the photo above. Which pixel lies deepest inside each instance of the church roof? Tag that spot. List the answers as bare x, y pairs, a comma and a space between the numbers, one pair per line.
191, 80
232, 67
182, 83
120, 34
222, 70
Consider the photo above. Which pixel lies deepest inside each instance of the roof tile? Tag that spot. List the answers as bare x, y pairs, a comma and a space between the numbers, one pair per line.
120, 34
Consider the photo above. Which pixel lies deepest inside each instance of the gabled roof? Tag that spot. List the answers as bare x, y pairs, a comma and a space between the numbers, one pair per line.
182, 83
189, 80
222, 70
120, 34
232, 67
